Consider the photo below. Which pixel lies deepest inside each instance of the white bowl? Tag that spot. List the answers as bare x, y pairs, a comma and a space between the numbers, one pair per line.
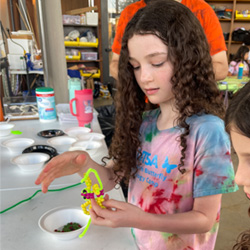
17, 145
30, 161
61, 143
5, 128
75, 131
90, 147
91, 136
56, 218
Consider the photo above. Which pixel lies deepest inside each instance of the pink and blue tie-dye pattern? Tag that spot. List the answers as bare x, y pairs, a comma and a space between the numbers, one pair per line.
160, 188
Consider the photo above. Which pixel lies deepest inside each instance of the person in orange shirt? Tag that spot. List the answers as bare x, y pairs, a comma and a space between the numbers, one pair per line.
209, 23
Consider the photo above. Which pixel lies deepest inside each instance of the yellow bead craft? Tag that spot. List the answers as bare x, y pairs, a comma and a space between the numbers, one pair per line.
91, 192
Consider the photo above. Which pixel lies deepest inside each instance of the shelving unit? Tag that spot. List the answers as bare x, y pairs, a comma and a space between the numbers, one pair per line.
74, 7
229, 25
84, 47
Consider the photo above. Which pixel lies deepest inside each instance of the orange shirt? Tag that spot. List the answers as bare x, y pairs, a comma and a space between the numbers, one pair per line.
202, 10
125, 17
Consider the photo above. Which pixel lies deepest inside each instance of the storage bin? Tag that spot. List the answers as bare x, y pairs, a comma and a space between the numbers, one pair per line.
89, 44
77, 43
89, 55
71, 19
96, 75
71, 57
242, 15
72, 43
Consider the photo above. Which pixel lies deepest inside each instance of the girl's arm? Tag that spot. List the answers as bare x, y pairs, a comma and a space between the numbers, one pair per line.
73, 162
199, 220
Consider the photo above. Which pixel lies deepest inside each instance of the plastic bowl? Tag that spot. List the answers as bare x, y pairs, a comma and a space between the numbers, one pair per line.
56, 218
17, 145
52, 152
61, 143
91, 136
75, 131
5, 128
91, 147
30, 161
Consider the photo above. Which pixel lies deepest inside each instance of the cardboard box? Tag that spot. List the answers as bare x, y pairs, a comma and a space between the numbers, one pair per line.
92, 18
21, 36
16, 62
17, 46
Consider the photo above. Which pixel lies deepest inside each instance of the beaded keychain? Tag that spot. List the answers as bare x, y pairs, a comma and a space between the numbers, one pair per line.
88, 194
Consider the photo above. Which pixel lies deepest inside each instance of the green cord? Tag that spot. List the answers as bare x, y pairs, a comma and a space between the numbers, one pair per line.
49, 190
85, 229
96, 175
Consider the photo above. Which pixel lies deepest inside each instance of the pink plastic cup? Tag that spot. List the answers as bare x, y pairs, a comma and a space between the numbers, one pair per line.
84, 107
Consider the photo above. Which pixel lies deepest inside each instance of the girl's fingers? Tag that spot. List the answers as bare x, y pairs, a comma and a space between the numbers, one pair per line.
106, 197
114, 204
65, 164
96, 218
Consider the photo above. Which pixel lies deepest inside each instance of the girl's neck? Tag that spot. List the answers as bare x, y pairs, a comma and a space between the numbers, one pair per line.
167, 117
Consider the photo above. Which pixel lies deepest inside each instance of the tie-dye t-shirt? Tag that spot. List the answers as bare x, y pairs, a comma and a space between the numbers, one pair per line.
160, 188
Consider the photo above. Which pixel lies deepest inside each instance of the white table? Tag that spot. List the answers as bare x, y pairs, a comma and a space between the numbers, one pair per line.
19, 226
29, 129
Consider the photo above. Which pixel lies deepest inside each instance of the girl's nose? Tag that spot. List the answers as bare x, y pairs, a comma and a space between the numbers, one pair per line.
241, 176
146, 75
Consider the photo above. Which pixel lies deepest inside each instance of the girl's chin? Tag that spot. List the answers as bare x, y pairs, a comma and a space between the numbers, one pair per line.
152, 101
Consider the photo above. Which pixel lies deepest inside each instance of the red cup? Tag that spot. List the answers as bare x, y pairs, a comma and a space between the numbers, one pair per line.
84, 107
1, 111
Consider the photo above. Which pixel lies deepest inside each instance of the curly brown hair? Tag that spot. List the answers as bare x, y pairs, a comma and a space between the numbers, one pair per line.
193, 82
238, 111
243, 241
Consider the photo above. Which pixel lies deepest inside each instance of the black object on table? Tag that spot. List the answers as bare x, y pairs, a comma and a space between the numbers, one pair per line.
50, 133
52, 152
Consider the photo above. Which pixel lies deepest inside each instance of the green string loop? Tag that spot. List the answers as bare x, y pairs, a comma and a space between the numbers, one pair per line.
49, 190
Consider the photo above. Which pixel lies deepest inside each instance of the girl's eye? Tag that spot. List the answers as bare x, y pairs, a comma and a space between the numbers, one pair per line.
135, 67
158, 64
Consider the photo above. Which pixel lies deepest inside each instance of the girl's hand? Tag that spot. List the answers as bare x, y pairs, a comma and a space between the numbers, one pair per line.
116, 214
65, 164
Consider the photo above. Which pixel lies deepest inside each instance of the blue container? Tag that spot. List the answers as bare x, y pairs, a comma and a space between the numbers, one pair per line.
240, 72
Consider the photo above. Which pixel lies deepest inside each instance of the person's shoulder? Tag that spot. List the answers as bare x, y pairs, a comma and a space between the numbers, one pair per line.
206, 122
210, 129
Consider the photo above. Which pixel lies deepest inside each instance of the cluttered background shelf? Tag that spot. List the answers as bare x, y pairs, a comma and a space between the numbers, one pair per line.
234, 17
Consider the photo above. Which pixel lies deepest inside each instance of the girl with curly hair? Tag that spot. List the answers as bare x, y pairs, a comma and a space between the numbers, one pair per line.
176, 155
241, 56
237, 123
